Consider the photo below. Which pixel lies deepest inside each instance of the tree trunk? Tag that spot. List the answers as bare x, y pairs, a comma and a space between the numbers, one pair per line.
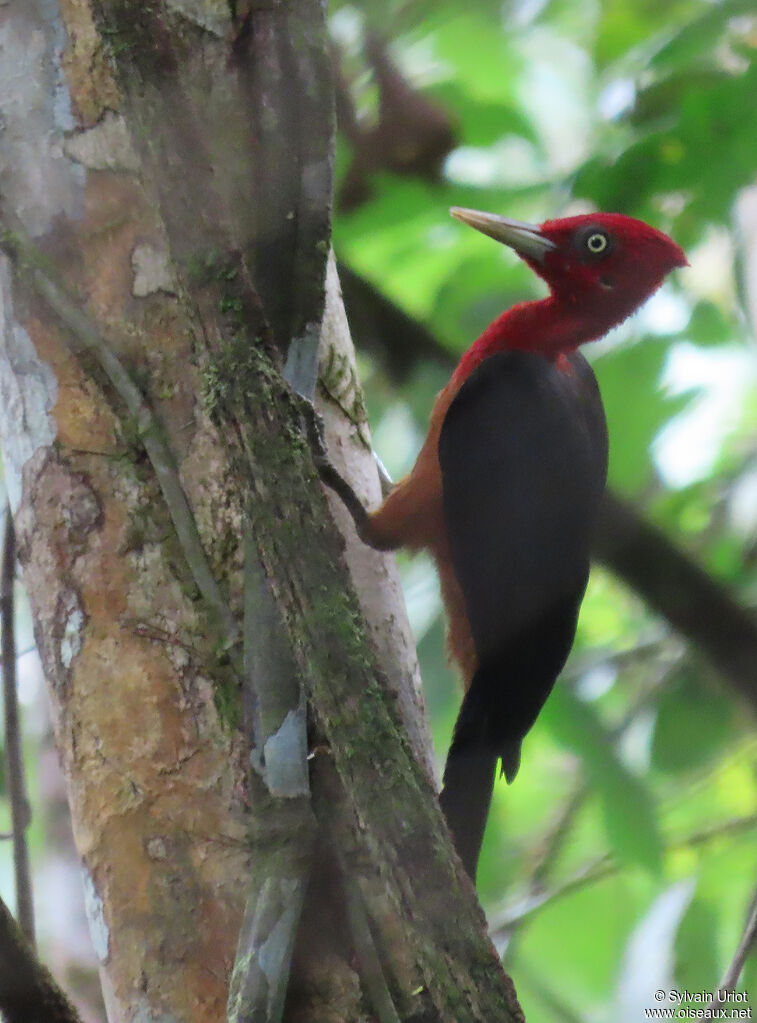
165, 233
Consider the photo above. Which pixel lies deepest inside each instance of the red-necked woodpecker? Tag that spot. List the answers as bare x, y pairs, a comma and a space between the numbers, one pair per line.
506, 488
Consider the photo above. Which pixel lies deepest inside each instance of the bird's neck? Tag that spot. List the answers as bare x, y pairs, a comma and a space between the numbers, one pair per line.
551, 327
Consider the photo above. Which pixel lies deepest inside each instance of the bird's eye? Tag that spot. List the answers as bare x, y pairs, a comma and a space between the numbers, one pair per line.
596, 243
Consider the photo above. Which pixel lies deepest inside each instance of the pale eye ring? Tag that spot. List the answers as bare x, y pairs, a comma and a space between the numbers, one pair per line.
596, 243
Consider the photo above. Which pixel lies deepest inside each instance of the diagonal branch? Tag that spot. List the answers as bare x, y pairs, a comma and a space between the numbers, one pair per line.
28, 992
598, 869
747, 945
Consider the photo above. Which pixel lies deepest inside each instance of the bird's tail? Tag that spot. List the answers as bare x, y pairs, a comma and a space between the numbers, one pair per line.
481, 738
465, 799
470, 770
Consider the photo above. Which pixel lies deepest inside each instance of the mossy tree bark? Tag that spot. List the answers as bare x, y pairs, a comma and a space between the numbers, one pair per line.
165, 234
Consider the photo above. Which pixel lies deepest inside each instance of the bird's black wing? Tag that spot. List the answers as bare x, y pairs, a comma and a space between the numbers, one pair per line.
523, 452
523, 455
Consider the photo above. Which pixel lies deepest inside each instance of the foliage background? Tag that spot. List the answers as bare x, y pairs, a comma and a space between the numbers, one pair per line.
624, 855
624, 858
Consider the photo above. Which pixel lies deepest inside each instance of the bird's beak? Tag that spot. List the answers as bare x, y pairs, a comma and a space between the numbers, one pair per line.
526, 239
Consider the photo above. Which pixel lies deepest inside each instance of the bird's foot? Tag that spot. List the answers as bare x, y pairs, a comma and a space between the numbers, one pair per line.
331, 477
336, 482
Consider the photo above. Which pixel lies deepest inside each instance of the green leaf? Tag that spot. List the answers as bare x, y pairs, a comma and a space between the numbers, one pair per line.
583, 969
708, 325
654, 104
688, 44
480, 289
636, 408
405, 242
389, 241
624, 25
482, 122
627, 805
480, 54
674, 160
694, 723
445, 694
696, 951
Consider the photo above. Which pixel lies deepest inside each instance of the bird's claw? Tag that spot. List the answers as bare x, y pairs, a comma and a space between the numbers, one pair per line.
314, 431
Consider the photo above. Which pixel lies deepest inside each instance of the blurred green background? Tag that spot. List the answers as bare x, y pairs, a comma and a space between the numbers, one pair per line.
624, 857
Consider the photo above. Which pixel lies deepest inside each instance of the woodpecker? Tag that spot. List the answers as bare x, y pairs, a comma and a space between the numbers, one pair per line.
506, 488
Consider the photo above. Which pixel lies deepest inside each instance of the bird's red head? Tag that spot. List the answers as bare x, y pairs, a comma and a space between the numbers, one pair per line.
600, 267
606, 259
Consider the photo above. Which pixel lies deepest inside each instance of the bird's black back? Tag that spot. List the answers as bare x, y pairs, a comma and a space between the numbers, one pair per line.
523, 455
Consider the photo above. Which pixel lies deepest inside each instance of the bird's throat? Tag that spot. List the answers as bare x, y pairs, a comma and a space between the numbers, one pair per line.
549, 327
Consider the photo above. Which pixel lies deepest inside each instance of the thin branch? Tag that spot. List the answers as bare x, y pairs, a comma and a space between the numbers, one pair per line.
747, 945
290, 277
559, 1009
552, 844
656, 642
557, 835
28, 992
523, 909
671, 582
14, 754
386, 481
561, 826
32, 649
597, 870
